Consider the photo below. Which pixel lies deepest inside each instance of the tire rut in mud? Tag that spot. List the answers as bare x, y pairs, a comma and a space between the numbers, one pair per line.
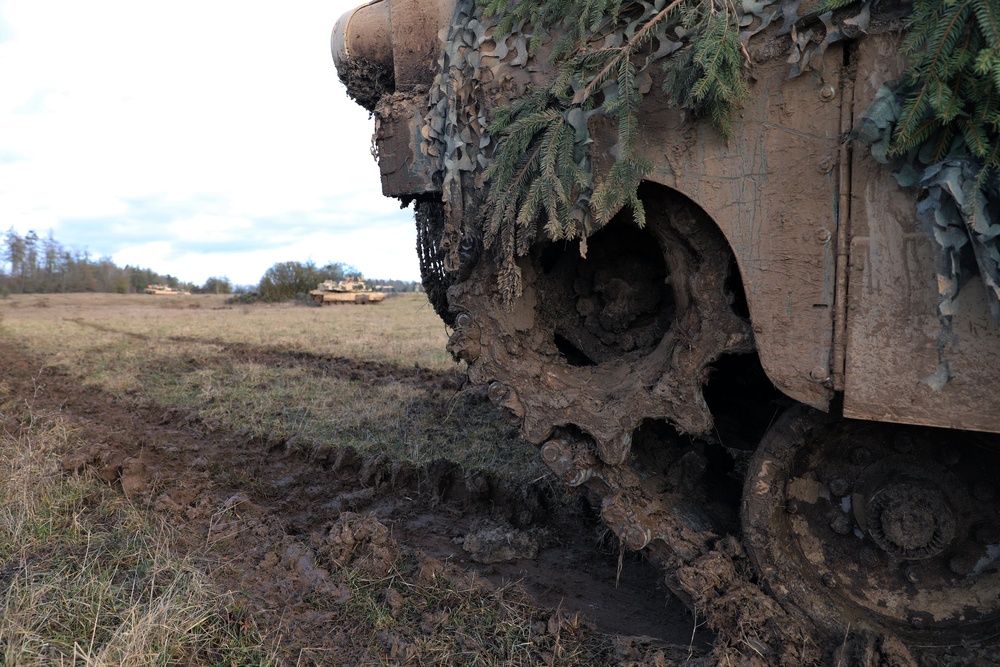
266, 513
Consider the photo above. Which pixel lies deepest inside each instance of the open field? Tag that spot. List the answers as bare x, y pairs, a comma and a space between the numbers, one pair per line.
289, 485
374, 378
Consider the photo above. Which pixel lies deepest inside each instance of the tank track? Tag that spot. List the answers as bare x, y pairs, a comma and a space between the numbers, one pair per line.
602, 425
607, 376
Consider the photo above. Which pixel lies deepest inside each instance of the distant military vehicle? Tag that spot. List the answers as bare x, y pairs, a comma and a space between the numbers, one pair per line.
164, 290
335, 292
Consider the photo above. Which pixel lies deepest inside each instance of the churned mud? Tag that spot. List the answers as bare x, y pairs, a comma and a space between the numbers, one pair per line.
272, 520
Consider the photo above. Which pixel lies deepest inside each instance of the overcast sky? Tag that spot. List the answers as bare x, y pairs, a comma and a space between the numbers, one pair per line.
194, 137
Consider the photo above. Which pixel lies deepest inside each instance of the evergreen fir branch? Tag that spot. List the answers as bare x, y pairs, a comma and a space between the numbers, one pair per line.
541, 167
640, 37
942, 145
719, 55
990, 173
976, 139
942, 100
988, 18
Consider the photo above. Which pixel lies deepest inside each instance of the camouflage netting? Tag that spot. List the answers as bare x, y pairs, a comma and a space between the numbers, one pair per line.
430, 231
474, 83
957, 212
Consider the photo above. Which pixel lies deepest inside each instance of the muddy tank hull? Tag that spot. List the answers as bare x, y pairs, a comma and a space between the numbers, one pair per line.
747, 380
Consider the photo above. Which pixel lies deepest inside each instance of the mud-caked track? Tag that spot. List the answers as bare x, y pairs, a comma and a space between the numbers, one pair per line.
272, 521
634, 371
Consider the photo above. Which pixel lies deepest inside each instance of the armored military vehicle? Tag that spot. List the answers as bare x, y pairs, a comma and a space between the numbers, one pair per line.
162, 290
336, 292
688, 251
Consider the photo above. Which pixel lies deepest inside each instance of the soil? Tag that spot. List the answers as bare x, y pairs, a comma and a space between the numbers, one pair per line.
270, 514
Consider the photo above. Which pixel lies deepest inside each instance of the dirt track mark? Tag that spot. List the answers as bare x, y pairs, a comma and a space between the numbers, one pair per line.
357, 370
261, 508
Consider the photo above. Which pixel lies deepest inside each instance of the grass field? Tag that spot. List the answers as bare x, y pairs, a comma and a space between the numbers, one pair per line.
87, 579
175, 352
176, 569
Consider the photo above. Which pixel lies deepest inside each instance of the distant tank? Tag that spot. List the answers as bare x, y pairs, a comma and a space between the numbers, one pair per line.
163, 289
335, 292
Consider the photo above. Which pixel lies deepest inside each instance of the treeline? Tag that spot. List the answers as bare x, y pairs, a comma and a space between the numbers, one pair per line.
31, 264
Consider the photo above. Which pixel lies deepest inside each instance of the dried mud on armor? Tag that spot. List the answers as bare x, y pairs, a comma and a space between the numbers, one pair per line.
350, 559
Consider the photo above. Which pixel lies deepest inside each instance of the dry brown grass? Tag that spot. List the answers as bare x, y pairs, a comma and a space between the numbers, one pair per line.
86, 579
403, 329
163, 350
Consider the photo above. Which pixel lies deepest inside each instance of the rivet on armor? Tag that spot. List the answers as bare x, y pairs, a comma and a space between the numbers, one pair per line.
911, 574
829, 580
819, 374
827, 93
792, 506
463, 320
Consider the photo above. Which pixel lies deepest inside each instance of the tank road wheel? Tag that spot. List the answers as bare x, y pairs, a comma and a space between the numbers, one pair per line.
598, 345
878, 528
318, 298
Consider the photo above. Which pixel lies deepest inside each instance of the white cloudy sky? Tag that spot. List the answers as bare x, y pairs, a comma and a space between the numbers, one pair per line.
194, 137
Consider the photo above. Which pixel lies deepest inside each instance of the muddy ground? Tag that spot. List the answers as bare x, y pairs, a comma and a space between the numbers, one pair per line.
262, 514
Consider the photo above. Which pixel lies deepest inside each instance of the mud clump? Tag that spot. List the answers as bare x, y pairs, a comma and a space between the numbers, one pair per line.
499, 545
367, 81
362, 543
135, 477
